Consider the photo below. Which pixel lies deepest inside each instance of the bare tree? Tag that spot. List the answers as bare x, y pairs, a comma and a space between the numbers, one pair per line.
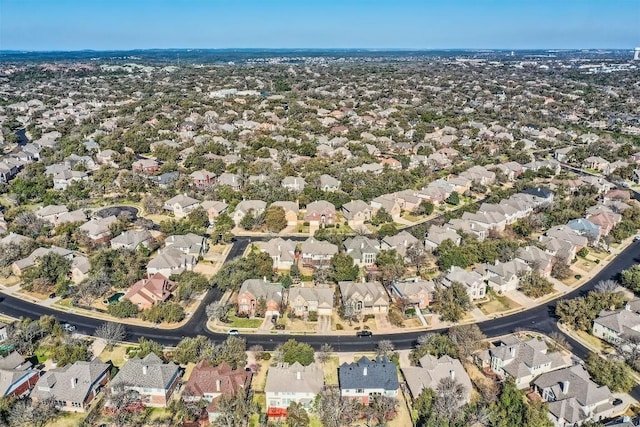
257, 351
605, 286
217, 310
111, 332
450, 395
385, 348
468, 339
334, 410
233, 410
29, 413
324, 354
381, 407
558, 341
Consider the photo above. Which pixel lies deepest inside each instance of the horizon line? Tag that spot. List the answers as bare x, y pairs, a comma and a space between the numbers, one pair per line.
372, 49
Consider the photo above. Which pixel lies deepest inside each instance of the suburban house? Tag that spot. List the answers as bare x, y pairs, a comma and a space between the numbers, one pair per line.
388, 203
148, 166
320, 213
504, 276
563, 232
522, 360
432, 370
479, 175
605, 221
63, 179
362, 249
304, 300
146, 293
618, 326
132, 239
328, 183
291, 211
292, 383
73, 387
246, 206
537, 259
203, 179
356, 212
400, 242
208, 383
17, 375
281, 251
417, 292
364, 297
181, 205
253, 291
20, 266
51, 213
438, 234
471, 280
153, 379
171, 261
214, 208
595, 162
366, 378
317, 253
293, 183
3, 332
98, 229
572, 397
190, 244
230, 179
586, 228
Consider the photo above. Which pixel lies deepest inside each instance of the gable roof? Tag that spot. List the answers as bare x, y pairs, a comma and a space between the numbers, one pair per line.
368, 374
432, 370
295, 378
207, 379
71, 383
150, 372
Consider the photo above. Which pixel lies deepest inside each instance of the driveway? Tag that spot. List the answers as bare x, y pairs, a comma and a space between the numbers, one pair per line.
324, 324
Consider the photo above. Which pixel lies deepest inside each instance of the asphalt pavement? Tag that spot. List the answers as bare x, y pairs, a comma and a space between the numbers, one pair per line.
540, 319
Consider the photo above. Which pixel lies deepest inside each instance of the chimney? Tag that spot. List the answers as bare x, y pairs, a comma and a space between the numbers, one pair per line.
512, 350
364, 372
298, 375
74, 381
627, 307
452, 374
565, 386
218, 383
361, 245
145, 368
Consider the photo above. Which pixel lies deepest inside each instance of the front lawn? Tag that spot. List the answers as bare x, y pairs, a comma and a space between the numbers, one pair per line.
330, 369
240, 322
497, 303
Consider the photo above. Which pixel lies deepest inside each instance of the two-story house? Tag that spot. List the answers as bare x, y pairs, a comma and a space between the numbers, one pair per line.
253, 291
362, 249
152, 379
282, 252
366, 378
292, 383
471, 280
365, 297
320, 213
304, 300
356, 213
181, 205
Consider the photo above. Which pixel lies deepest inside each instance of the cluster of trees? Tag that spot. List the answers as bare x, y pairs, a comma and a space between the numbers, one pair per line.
452, 302
232, 274
459, 342
472, 251
50, 271
293, 351
273, 219
196, 222
579, 313
534, 285
170, 312
614, 374
334, 410
232, 351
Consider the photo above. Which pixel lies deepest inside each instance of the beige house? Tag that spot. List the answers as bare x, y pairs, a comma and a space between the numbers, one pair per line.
365, 297
305, 300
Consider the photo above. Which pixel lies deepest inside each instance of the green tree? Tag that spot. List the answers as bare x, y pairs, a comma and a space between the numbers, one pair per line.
452, 302
533, 285
189, 350
297, 416
275, 219
343, 268
630, 278
511, 410
147, 346
222, 230
50, 269
614, 374
293, 351
381, 217
199, 219
425, 208
453, 199
71, 351
122, 309
388, 229
434, 344
232, 351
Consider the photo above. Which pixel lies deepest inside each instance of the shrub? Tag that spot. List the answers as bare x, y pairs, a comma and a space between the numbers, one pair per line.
266, 356
578, 276
339, 327
368, 317
313, 316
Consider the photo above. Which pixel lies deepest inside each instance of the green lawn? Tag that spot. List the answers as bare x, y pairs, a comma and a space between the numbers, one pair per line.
331, 371
67, 419
239, 322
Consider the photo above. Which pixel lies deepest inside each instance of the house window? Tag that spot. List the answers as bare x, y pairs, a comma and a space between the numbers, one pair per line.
359, 390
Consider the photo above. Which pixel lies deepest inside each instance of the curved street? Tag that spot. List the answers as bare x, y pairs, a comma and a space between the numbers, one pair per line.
540, 318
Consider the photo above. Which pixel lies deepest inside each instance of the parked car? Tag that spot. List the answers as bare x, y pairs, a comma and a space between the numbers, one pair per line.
68, 327
617, 402
52, 295
364, 333
233, 332
636, 238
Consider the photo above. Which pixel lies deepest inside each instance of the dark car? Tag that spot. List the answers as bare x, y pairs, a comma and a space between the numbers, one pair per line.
617, 402
364, 333
52, 295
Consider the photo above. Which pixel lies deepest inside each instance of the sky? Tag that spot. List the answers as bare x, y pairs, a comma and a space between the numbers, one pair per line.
385, 24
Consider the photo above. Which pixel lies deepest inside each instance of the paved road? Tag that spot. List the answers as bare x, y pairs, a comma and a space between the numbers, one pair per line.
539, 318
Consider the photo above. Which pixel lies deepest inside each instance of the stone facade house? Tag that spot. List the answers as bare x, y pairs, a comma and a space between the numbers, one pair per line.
365, 297
253, 291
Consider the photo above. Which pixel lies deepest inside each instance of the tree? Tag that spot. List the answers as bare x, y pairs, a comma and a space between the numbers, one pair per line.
29, 413
111, 332
391, 264
71, 351
199, 219
50, 269
467, 338
348, 311
388, 229
560, 269
614, 374
606, 286
275, 219
257, 351
381, 217
385, 348
122, 309
416, 254
324, 354
189, 350
511, 410
434, 344
453, 302
534, 285
334, 410
293, 351
630, 278
425, 208
450, 394
222, 230
381, 408
217, 310
558, 342
248, 221
233, 351
233, 410
297, 416
147, 346
453, 199
343, 268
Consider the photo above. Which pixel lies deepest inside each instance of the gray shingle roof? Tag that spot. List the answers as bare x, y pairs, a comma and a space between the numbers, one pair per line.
71, 383
368, 374
150, 372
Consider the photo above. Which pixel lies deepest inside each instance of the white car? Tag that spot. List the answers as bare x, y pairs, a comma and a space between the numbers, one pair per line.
233, 332
68, 327
636, 238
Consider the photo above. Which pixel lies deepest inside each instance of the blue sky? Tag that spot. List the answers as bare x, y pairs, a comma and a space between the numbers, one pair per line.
423, 24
